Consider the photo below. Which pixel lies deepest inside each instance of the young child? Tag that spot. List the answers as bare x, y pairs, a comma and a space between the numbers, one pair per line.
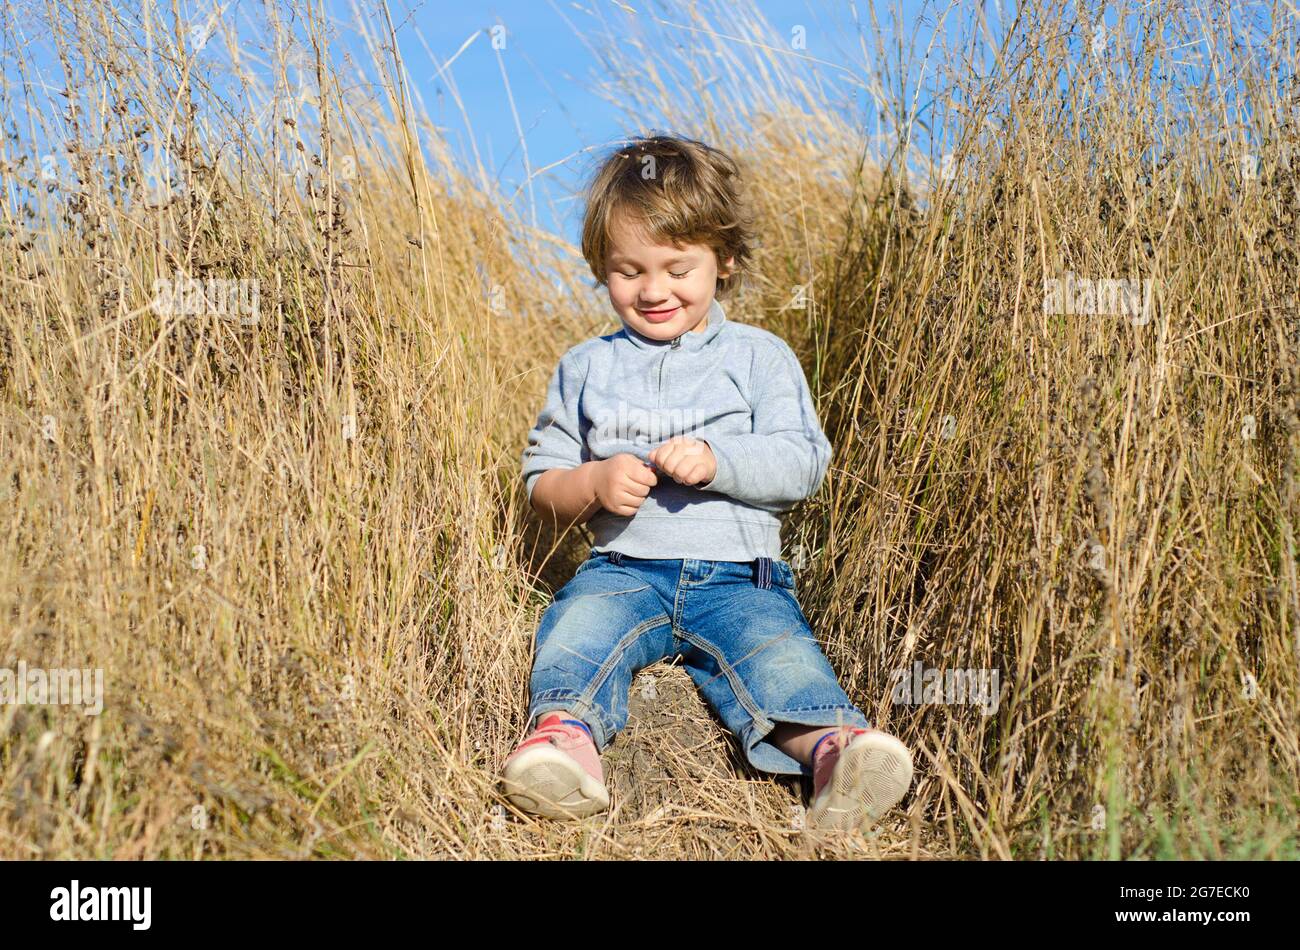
680, 440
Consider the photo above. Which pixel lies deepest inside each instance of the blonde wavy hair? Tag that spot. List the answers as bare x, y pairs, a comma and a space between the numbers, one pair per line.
680, 191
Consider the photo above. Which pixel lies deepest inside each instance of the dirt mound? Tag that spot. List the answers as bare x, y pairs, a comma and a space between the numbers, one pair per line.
680, 785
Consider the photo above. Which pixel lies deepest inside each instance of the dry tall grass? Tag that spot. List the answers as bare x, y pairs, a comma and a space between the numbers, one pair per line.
300, 548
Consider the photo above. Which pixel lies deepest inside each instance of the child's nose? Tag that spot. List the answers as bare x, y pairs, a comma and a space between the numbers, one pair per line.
653, 291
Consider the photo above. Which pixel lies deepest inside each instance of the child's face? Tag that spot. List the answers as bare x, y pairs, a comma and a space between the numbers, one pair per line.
659, 290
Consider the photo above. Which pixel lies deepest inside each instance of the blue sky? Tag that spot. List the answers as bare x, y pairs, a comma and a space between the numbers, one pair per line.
537, 90
550, 72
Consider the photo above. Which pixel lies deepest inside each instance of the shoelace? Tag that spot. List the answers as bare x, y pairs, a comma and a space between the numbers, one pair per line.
549, 733
832, 742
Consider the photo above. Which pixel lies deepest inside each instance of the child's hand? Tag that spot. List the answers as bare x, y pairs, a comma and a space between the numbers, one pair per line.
622, 482
687, 461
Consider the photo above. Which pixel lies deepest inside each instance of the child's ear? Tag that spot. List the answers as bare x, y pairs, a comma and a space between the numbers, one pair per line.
725, 269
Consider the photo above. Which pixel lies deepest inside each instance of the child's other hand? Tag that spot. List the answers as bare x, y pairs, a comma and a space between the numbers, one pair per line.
687, 461
622, 482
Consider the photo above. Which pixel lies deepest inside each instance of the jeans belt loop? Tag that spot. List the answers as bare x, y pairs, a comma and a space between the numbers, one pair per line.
763, 572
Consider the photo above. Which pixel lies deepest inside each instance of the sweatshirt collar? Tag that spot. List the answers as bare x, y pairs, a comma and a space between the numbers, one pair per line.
690, 340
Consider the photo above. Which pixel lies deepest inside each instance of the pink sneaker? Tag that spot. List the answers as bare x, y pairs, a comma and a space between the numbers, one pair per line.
556, 772
858, 775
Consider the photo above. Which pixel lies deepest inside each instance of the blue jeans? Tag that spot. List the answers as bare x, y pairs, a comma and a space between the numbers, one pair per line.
736, 625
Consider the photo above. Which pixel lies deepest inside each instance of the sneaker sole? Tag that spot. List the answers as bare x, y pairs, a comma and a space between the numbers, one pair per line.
545, 781
871, 776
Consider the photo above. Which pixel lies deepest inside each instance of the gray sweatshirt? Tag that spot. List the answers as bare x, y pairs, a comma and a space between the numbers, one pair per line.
737, 387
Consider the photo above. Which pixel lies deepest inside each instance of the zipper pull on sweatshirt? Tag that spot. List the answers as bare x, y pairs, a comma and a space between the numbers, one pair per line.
677, 341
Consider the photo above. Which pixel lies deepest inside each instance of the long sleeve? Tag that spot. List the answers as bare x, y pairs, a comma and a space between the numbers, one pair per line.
786, 457
556, 440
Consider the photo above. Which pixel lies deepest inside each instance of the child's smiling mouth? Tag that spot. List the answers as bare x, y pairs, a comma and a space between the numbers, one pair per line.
658, 316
